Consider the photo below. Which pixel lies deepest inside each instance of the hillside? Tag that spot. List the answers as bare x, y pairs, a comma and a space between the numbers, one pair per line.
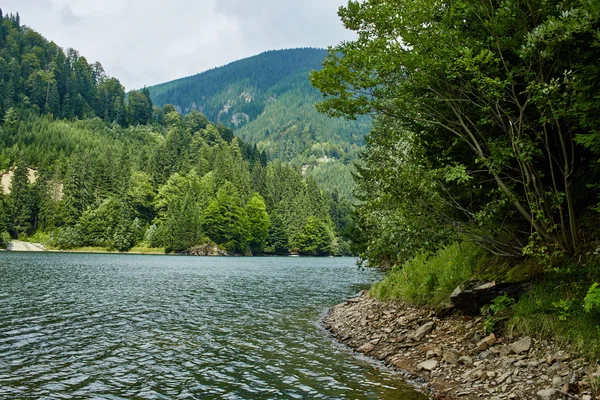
115, 173
269, 101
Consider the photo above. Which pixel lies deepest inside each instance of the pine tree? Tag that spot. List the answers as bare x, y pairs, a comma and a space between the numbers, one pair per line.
22, 201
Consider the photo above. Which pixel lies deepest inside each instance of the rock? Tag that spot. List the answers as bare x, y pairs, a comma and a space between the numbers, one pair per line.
557, 381
562, 356
559, 356
521, 346
549, 394
502, 378
486, 342
422, 331
428, 365
485, 354
471, 296
451, 356
366, 348
465, 360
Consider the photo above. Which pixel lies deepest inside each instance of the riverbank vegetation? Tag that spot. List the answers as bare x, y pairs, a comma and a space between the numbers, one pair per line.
89, 166
486, 134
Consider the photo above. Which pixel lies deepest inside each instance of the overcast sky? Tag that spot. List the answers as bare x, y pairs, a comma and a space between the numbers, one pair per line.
144, 42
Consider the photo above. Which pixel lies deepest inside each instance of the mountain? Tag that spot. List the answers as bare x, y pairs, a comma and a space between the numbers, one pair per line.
268, 100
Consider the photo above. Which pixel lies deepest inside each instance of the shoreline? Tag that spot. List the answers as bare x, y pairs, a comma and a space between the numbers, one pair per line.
453, 356
22, 246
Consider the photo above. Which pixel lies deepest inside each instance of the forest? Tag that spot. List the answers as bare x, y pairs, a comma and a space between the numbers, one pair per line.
482, 163
269, 101
114, 171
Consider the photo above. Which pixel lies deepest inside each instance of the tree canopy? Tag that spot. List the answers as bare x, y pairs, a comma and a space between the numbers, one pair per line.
480, 106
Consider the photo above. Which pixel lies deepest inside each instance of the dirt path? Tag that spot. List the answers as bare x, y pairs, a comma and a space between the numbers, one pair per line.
18, 245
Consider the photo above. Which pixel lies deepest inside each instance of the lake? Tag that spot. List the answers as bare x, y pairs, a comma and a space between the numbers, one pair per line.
166, 327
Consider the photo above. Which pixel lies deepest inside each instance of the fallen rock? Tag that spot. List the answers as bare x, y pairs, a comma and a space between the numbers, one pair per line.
549, 394
470, 297
487, 342
422, 331
521, 346
451, 356
428, 365
559, 356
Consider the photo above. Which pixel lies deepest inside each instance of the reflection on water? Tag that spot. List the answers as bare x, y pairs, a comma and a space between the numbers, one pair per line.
153, 327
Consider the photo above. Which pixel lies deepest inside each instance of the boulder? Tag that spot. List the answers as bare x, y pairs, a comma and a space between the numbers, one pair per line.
471, 296
521, 346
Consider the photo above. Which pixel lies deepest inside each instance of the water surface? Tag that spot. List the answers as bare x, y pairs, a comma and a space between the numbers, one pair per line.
163, 327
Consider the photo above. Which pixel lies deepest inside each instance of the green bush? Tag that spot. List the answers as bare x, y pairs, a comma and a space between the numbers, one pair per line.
429, 279
66, 238
4, 239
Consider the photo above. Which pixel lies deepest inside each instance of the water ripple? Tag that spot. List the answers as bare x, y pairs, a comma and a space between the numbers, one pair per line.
120, 327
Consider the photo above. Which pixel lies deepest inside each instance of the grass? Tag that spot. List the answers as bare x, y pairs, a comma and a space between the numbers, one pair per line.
142, 248
553, 309
428, 280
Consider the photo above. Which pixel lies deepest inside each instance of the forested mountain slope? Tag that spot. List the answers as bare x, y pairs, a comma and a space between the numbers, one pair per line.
114, 171
269, 101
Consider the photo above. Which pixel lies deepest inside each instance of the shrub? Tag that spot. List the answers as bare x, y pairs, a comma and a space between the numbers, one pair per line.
429, 279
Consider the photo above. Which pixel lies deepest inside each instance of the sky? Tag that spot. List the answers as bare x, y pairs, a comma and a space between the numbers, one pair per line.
145, 42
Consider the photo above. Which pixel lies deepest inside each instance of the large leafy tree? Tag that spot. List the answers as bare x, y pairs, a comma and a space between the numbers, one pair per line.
258, 223
494, 93
225, 220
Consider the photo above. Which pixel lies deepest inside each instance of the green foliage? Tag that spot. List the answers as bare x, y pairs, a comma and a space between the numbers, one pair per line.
258, 223
38, 76
475, 126
555, 307
22, 202
269, 100
225, 220
315, 239
591, 302
429, 279
496, 311
66, 238
113, 171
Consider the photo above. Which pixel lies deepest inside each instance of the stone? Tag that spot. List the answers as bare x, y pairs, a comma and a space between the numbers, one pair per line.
485, 354
487, 342
549, 394
559, 356
521, 346
451, 356
465, 360
471, 296
562, 356
502, 378
366, 348
423, 330
428, 365
557, 381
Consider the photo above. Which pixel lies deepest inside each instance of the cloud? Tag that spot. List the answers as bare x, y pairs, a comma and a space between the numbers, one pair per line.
144, 42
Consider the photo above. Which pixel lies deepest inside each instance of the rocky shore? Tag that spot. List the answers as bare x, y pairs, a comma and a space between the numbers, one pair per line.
451, 354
